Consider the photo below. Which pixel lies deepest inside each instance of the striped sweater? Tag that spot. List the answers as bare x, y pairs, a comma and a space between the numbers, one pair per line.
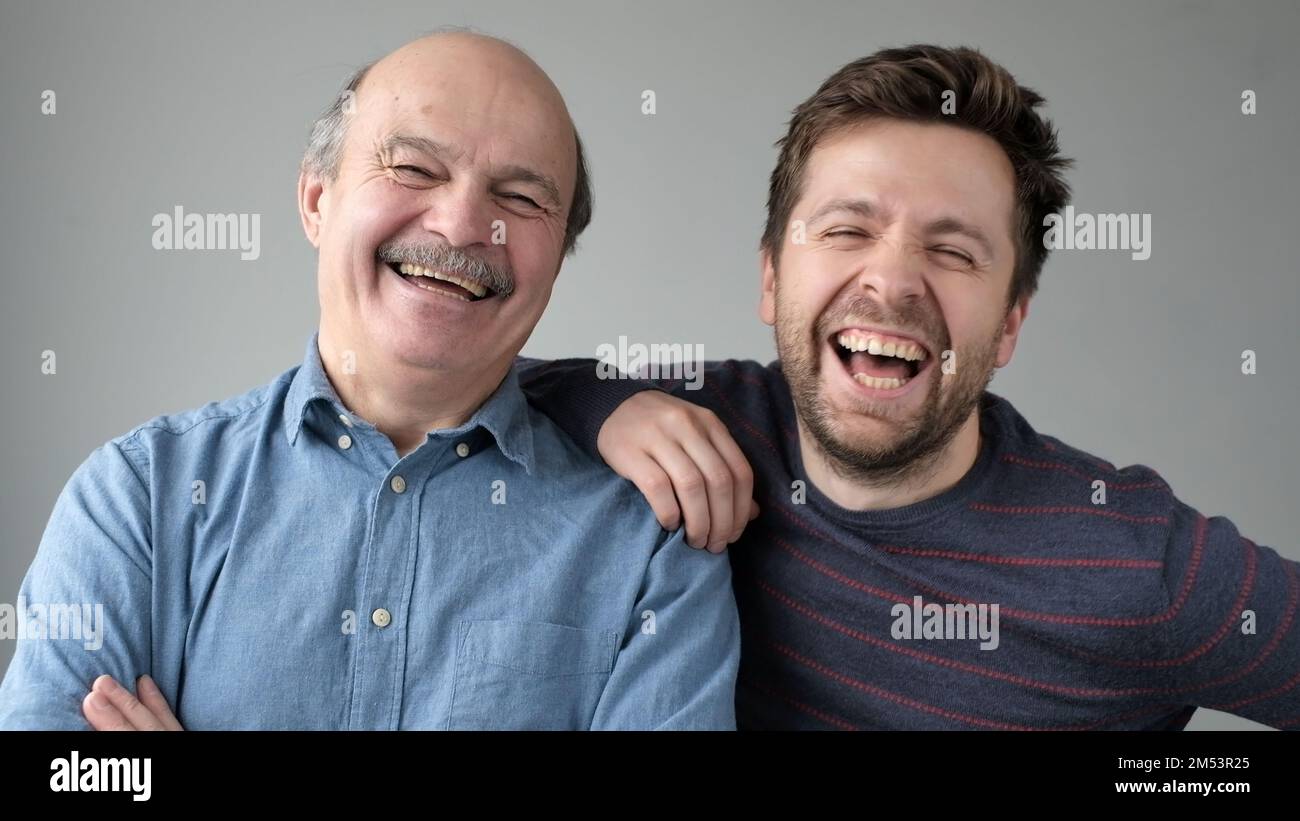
1122, 612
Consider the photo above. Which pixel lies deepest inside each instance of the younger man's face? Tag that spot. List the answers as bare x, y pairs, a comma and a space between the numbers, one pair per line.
909, 251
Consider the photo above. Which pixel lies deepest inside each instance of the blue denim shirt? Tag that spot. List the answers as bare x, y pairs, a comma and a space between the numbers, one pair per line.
272, 563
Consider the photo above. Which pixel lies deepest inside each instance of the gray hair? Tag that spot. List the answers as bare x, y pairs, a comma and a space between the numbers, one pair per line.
325, 146
324, 154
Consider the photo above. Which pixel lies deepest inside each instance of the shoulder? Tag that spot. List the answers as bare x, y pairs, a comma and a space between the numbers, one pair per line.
1056, 486
586, 483
1020, 444
223, 422
745, 376
745, 394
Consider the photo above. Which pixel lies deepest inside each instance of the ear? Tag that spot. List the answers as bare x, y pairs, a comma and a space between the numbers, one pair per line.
767, 296
1011, 331
312, 201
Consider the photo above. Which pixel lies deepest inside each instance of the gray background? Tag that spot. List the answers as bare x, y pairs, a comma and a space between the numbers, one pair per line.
208, 106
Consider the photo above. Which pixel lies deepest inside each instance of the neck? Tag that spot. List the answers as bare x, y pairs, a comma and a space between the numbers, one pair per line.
941, 471
404, 401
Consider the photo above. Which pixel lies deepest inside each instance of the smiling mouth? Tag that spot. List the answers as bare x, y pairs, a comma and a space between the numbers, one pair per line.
441, 282
879, 360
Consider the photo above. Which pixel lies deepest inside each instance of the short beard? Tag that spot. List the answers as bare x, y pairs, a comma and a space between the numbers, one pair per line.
914, 453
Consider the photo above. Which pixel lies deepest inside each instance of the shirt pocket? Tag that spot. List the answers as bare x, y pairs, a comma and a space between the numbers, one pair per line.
529, 675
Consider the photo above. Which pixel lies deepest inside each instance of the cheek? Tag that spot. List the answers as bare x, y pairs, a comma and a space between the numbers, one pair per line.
373, 214
533, 254
972, 322
809, 282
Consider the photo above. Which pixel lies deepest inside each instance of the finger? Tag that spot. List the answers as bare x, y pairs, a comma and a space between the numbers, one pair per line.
743, 493
657, 488
149, 694
688, 485
719, 485
102, 715
128, 704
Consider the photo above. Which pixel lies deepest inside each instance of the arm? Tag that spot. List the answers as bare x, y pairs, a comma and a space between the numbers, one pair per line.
90, 584
1234, 640
676, 667
677, 452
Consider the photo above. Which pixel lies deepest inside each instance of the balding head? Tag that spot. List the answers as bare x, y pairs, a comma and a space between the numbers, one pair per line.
443, 195
450, 51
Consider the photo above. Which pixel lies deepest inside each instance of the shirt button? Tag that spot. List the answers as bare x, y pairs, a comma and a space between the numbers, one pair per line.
398, 484
381, 617
462, 450
345, 441
343, 417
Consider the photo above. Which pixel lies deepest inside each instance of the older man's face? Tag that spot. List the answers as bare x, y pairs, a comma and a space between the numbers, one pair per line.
460, 159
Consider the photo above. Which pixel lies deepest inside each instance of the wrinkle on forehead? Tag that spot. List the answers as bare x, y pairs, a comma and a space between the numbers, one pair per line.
469, 74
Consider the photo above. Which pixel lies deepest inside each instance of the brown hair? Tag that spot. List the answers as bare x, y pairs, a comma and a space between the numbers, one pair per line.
909, 84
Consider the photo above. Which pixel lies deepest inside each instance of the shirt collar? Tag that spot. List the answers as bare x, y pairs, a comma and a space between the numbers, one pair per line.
505, 414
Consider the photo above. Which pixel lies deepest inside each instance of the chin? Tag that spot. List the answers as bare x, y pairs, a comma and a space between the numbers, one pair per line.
419, 349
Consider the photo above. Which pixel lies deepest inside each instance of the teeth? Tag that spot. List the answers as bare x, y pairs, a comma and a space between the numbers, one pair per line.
420, 271
443, 292
881, 382
875, 346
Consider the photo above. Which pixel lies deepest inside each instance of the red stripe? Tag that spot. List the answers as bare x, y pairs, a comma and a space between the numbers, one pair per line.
1027, 561
838, 723
1101, 463
1021, 510
1016, 459
1037, 684
739, 418
1274, 693
1288, 618
942, 712
895, 647
1029, 615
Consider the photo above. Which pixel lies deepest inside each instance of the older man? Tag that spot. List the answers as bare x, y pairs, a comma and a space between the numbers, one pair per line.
387, 536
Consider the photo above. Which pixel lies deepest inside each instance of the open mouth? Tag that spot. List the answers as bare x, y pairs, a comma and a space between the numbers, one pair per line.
879, 360
441, 282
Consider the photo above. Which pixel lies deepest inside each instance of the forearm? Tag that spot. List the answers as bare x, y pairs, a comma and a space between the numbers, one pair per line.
579, 395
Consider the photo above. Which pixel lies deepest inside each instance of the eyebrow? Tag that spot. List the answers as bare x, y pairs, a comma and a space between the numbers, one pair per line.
422, 144
510, 173
943, 225
863, 208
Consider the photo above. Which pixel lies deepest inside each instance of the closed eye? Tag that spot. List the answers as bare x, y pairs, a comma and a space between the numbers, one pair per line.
413, 169
952, 252
844, 232
523, 199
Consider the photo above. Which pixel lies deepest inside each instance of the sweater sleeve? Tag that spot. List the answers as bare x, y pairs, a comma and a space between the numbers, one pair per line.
580, 394
1231, 641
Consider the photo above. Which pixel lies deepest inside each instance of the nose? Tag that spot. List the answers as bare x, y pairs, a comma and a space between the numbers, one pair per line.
460, 212
894, 271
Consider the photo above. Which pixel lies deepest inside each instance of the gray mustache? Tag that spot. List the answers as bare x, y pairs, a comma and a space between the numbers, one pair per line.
500, 279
